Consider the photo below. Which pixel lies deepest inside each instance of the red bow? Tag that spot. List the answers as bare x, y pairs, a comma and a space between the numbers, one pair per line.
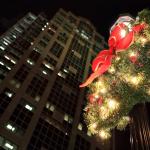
118, 41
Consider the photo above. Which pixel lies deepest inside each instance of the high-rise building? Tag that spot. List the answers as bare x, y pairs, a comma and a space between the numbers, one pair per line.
42, 64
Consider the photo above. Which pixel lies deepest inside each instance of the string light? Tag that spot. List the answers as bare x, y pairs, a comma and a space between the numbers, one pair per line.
104, 134
104, 112
113, 104
111, 69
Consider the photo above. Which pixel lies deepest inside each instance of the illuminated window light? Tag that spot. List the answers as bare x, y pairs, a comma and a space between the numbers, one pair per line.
5, 42
30, 62
2, 48
8, 67
80, 126
9, 94
62, 75
49, 66
52, 108
28, 107
10, 127
42, 29
14, 36
47, 105
6, 57
65, 70
47, 23
8, 145
1, 63
14, 62
66, 117
45, 26
44, 72
37, 98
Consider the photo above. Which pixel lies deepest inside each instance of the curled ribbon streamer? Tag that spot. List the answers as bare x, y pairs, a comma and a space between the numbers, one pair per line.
117, 42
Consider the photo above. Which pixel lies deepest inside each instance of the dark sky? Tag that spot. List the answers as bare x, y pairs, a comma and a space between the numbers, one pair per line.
102, 13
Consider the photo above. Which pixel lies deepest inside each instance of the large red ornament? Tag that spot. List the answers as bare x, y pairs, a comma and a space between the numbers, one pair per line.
121, 37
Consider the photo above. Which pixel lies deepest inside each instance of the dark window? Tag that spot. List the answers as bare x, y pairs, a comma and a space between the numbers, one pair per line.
37, 86
21, 117
81, 143
22, 73
42, 43
63, 37
56, 49
48, 137
34, 55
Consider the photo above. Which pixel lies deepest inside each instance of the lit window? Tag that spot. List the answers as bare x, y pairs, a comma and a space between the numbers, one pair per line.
66, 117
42, 29
8, 145
6, 57
52, 108
44, 72
14, 36
61, 74
8, 67
30, 62
48, 65
9, 94
47, 23
14, 62
1, 63
47, 105
65, 70
10, 127
80, 126
2, 48
45, 26
5, 43
28, 107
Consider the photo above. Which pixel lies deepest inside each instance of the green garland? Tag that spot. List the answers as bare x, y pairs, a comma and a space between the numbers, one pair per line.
126, 82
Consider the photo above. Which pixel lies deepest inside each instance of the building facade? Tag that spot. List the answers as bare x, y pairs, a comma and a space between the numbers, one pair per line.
42, 64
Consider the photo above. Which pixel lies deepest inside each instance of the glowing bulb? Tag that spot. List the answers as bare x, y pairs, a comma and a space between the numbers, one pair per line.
143, 40
148, 91
131, 54
112, 69
112, 104
123, 33
104, 112
117, 58
104, 134
103, 90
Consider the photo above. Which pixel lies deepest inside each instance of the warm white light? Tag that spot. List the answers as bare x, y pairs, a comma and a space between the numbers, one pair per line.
131, 54
117, 58
112, 69
103, 90
123, 33
104, 112
104, 134
112, 104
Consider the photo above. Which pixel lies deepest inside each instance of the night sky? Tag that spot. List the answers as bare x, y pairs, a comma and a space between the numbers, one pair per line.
102, 13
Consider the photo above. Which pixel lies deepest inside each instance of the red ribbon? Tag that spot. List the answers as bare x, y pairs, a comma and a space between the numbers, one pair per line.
117, 42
